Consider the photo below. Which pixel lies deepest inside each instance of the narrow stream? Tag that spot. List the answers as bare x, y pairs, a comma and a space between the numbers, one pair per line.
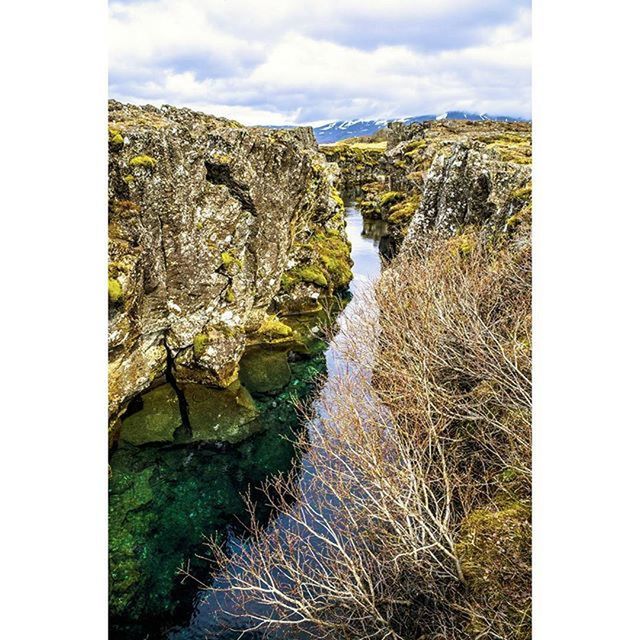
197, 492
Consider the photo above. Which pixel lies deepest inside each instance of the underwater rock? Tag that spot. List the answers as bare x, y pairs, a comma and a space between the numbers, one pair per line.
157, 421
221, 415
264, 370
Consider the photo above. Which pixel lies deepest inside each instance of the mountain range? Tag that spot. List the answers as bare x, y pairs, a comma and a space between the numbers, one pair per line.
342, 129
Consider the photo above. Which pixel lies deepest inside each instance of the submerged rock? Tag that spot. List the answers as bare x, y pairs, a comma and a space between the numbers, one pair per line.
221, 415
264, 370
157, 421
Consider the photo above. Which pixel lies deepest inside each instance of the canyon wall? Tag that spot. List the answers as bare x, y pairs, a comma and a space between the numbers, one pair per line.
442, 175
212, 227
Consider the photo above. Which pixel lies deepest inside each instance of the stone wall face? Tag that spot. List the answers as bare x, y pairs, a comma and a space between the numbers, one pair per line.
205, 217
443, 175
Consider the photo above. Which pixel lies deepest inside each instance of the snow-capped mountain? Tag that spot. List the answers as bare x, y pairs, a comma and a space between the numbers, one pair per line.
341, 129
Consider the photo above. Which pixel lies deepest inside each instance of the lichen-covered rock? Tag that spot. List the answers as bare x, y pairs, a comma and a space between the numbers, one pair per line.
473, 186
359, 162
205, 216
470, 166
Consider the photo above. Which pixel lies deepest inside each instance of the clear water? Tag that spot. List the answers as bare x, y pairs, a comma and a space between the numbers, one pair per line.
164, 499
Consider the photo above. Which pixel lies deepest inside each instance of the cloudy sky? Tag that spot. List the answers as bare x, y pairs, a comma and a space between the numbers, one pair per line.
307, 62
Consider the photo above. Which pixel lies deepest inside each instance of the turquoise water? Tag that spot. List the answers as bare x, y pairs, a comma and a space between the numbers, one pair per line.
165, 499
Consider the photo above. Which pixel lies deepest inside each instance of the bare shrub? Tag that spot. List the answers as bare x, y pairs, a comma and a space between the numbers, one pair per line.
412, 518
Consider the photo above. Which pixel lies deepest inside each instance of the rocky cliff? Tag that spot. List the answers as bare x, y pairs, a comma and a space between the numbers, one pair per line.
445, 174
212, 226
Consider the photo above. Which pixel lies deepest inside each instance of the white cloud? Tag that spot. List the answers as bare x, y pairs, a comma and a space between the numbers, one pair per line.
290, 62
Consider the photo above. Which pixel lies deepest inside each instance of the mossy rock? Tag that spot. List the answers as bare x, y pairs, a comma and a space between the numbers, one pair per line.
402, 212
304, 273
272, 328
133, 490
264, 370
157, 421
335, 256
390, 197
494, 547
220, 415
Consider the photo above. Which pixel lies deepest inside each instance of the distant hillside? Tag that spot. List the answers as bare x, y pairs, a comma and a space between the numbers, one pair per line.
342, 129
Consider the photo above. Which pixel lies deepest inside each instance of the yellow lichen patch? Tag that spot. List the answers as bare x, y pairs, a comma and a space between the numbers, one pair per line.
363, 154
221, 158
523, 193
229, 260
140, 119
462, 245
115, 138
388, 198
200, 342
337, 198
512, 148
143, 161
115, 291
370, 146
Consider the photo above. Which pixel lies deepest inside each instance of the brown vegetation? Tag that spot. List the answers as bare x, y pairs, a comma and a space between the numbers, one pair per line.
413, 518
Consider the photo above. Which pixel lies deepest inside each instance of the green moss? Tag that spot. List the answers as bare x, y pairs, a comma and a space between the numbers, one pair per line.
229, 296
310, 273
143, 161
402, 212
487, 536
388, 198
115, 291
334, 253
336, 196
272, 327
129, 179
200, 342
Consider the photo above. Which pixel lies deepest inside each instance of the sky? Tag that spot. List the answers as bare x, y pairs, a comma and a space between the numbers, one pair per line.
276, 62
